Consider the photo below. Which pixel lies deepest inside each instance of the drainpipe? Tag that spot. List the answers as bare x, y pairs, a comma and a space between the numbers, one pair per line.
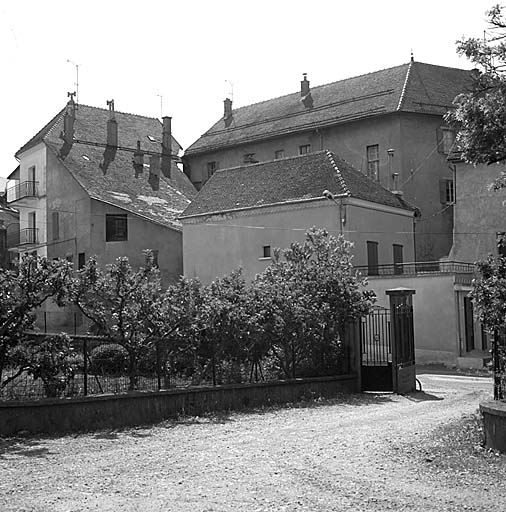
342, 211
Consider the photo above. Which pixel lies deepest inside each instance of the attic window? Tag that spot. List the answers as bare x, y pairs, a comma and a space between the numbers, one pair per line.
86, 157
151, 138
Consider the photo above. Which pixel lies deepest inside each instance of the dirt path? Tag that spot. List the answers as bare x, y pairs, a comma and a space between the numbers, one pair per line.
372, 452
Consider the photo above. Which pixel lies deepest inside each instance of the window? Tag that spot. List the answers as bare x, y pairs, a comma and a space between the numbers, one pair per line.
500, 238
280, 153
398, 260
211, 168
372, 258
305, 149
154, 252
266, 251
249, 158
447, 191
445, 140
373, 162
81, 260
56, 225
116, 227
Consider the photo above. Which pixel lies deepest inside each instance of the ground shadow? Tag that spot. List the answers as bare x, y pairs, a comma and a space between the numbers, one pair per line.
24, 446
421, 396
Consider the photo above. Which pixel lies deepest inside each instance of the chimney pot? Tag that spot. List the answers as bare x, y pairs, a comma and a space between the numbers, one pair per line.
112, 126
227, 109
304, 86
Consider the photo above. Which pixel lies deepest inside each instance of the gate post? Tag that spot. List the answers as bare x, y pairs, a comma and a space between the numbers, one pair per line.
403, 339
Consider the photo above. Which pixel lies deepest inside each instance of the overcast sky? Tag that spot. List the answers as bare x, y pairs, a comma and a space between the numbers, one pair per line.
191, 51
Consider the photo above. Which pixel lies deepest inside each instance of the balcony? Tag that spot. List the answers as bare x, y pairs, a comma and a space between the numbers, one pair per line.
24, 189
27, 236
418, 268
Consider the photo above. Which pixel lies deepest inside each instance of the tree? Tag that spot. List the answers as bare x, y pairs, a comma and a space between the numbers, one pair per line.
489, 298
479, 115
22, 291
116, 301
310, 292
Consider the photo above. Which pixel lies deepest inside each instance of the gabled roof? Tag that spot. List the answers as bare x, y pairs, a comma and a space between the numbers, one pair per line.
287, 180
116, 182
411, 87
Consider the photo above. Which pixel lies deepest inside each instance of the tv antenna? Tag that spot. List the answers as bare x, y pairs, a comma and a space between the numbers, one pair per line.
230, 92
161, 105
77, 79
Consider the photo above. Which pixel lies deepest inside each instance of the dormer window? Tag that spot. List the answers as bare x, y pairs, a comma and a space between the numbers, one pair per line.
151, 138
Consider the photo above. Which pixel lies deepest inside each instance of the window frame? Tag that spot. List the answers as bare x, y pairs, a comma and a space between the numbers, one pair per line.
304, 149
279, 154
372, 258
212, 167
373, 162
113, 231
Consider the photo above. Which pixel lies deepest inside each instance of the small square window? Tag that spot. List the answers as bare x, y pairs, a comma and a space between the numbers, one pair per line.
280, 153
266, 251
116, 227
211, 168
373, 162
304, 149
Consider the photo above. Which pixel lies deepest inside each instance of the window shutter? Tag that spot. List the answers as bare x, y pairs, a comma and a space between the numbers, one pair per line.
442, 191
439, 140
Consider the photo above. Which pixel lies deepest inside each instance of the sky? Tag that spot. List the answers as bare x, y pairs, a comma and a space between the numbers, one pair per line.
182, 59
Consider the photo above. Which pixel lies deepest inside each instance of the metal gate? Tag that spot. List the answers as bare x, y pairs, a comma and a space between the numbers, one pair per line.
387, 348
376, 351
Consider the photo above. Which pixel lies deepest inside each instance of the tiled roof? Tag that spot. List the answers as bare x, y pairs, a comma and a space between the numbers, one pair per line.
116, 183
412, 87
286, 180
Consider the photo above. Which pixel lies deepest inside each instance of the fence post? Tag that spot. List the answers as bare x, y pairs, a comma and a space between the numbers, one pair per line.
85, 366
158, 364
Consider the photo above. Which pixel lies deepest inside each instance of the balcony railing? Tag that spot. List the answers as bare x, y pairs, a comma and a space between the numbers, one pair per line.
418, 268
24, 189
27, 236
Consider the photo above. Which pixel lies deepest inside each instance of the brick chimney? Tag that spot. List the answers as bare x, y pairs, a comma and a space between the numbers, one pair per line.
305, 92
167, 146
69, 119
227, 111
112, 126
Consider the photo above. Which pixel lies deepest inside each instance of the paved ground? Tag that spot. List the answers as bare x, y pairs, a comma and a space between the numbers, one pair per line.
366, 452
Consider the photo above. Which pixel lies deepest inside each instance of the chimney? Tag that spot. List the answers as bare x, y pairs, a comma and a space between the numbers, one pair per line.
68, 120
138, 160
166, 146
227, 111
112, 126
304, 86
305, 92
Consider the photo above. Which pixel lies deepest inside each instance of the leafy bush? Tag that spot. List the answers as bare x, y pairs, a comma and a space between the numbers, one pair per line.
109, 359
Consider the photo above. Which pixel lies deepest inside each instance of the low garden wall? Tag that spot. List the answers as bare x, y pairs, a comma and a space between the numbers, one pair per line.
494, 424
51, 416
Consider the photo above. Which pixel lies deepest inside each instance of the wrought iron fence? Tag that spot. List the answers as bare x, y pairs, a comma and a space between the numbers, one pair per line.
23, 189
418, 268
101, 366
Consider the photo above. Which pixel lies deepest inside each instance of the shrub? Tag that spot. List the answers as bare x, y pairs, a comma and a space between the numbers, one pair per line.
109, 359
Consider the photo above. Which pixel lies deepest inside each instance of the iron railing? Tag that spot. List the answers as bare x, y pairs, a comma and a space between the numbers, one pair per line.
28, 236
417, 268
23, 189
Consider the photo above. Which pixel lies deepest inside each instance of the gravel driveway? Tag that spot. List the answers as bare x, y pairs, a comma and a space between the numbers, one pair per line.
365, 452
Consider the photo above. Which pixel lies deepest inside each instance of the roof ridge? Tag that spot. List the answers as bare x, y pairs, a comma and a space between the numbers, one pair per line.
322, 85
263, 162
405, 86
340, 178
117, 112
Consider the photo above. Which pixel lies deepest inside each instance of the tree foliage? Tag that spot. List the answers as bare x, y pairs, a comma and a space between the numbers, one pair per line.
309, 293
116, 300
22, 291
479, 116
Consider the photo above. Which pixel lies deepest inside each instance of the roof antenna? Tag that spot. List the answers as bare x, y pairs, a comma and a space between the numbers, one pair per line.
77, 79
161, 105
230, 94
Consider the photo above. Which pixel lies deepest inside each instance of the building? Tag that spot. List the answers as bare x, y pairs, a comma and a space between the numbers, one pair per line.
243, 213
9, 229
388, 124
99, 182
